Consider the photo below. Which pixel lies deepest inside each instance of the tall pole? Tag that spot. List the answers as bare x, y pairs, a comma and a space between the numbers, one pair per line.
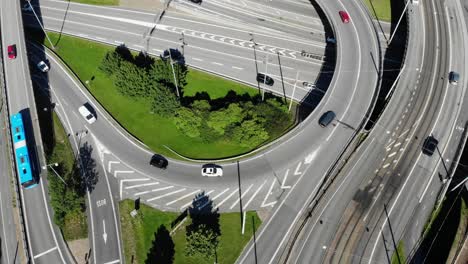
56, 173
240, 195
40, 24
294, 90
173, 73
183, 43
264, 79
398, 23
255, 58
281, 72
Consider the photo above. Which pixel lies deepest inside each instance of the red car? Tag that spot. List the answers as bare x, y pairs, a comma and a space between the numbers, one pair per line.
12, 51
344, 16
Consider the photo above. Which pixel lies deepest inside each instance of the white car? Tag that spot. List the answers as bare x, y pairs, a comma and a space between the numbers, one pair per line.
42, 66
87, 114
308, 85
212, 170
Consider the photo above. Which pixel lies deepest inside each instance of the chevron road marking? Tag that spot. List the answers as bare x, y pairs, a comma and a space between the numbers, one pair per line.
183, 197
116, 172
255, 194
242, 196
165, 195
214, 198
141, 185
297, 172
196, 199
154, 190
109, 164
130, 180
268, 194
284, 180
227, 198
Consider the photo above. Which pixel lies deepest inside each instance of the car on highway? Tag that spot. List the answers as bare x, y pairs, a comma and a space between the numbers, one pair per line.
326, 118
27, 8
454, 77
42, 66
212, 170
262, 78
308, 85
430, 145
12, 51
87, 115
158, 161
344, 16
331, 40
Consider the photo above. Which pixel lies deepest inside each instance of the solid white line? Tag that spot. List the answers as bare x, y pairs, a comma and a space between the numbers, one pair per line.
196, 199
225, 199
165, 195
196, 59
45, 252
99, 38
141, 185
237, 68
242, 196
217, 63
154, 190
253, 196
113, 262
4, 234
183, 197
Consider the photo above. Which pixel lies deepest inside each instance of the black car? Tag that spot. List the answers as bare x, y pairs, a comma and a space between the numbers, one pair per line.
454, 77
158, 161
430, 145
326, 118
262, 78
196, 1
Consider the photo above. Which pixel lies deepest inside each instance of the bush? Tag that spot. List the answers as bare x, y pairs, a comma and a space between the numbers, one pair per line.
249, 133
165, 103
187, 122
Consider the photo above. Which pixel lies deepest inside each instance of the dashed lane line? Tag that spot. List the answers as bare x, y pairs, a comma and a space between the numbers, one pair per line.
182, 197
165, 195
154, 190
242, 196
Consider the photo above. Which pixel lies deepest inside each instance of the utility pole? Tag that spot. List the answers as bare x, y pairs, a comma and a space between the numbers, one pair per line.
281, 73
264, 79
40, 24
294, 90
255, 58
173, 73
240, 195
398, 23
183, 43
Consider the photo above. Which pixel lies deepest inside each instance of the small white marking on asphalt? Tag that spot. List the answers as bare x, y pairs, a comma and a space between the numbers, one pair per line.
217, 63
255, 194
99, 38
214, 198
82, 35
138, 46
388, 149
284, 180
397, 144
406, 110
398, 127
118, 42
237, 68
183, 197
399, 123
158, 50
196, 59
297, 172
392, 154
45, 252
268, 194
395, 161
141, 185
165, 195
388, 131
110, 164
402, 149
225, 199
130, 180
154, 190
242, 196
116, 172
196, 199
386, 165
377, 170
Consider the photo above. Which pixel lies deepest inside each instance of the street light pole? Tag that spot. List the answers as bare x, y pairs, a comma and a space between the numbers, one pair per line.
398, 23
281, 73
255, 58
40, 24
173, 73
183, 43
264, 79
56, 173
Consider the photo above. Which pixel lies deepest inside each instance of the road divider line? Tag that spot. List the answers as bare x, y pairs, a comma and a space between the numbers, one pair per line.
386, 165
45, 252
242, 196
130, 180
392, 154
196, 199
183, 197
237, 68
217, 63
154, 190
165, 195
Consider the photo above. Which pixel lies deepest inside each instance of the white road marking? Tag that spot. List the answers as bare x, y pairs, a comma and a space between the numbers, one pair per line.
297, 172
268, 194
165, 195
118, 42
217, 63
130, 180
154, 190
196, 199
99, 38
157, 50
138, 46
237, 68
284, 180
109, 164
183, 197
116, 172
4, 234
227, 198
255, 194
242, 196
113, 262
45, 252
141, 185
392, 154
386, 165
196, 59
397, 144
212, 200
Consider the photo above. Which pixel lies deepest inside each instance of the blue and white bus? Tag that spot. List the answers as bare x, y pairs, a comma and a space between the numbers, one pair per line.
21, 152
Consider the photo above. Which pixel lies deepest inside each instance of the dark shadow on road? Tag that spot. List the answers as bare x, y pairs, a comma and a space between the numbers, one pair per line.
162, 250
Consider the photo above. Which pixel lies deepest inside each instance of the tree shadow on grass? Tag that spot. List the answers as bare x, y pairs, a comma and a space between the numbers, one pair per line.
162, 250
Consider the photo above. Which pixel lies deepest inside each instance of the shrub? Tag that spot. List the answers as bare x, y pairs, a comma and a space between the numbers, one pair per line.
188, 122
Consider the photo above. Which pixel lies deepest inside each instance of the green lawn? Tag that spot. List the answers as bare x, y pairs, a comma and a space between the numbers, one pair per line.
380, 9
138, 234
400, 257
84, 57
98, 2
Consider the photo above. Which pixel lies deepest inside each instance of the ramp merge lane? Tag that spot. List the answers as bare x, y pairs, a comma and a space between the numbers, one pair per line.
44, 242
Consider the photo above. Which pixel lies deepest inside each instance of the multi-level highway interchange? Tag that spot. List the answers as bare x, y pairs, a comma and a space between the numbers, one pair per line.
331, 196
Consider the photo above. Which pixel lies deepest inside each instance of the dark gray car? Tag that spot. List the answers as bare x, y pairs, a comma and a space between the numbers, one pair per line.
454, 77
326, 118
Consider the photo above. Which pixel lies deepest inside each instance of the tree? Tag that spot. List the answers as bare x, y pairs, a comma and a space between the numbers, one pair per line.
162, 251
165, 103
249, 133
110, 63
221, 119
203, 241
188, 122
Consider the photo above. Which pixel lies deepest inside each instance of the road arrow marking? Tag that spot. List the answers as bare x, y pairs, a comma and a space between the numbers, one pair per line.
268, 194
104, 235
284, 181
297, 172
309, 158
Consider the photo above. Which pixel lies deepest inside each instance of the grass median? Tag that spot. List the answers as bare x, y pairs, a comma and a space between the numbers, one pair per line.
158, 133
380, 9
139, 232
